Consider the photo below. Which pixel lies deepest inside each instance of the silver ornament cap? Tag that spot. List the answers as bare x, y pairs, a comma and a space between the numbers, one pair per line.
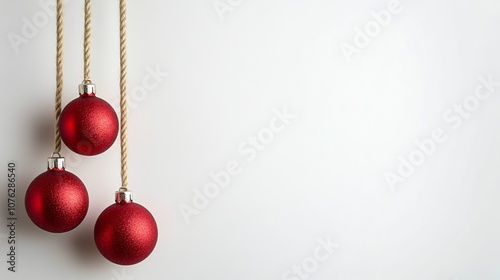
56, 161
123, 195
86, 88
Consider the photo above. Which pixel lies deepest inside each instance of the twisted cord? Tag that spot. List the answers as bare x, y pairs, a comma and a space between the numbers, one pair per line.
123, 92
86, 42
59, 73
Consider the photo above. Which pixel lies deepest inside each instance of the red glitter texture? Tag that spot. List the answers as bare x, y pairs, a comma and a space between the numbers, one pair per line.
57, 201
88, 125
125, 233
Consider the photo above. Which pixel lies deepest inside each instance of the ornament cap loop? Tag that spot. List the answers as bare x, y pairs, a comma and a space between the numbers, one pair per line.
56, 161
123, 195
87, 88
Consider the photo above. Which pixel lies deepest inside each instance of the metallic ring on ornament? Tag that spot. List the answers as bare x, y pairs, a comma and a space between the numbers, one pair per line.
86, 89
55, 155
56, 162
123, 195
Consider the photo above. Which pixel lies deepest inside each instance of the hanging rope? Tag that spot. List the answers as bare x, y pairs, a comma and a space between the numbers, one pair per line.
123, 92
86, 42
59, 74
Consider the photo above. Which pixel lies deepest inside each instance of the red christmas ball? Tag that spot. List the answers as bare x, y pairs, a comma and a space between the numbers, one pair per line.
88, 125
125, 233
57, 201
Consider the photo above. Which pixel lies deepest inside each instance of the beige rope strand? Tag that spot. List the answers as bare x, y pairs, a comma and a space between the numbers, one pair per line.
86, 42
59, 74
123, 92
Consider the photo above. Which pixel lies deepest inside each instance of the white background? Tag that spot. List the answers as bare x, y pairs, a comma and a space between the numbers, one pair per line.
323, 176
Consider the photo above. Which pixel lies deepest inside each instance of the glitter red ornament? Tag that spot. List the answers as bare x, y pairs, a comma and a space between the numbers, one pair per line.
88, 124
57, 200
125, 233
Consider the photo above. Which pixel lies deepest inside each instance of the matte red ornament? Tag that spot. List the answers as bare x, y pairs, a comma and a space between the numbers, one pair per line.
57, 200
88, 124
125, 233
